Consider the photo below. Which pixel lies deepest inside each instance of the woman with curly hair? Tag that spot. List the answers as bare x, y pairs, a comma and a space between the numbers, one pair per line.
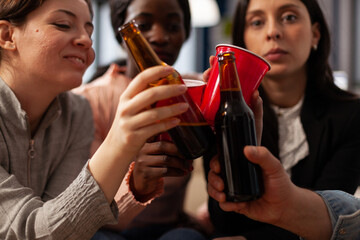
159, 168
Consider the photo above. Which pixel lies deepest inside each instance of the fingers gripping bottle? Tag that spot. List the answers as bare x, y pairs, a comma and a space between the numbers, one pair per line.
235, 128
193, 134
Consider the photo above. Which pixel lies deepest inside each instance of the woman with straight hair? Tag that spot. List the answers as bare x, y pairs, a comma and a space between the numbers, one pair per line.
309, 123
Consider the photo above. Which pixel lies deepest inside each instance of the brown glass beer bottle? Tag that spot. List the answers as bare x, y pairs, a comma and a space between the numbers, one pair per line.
235, 128
192, 136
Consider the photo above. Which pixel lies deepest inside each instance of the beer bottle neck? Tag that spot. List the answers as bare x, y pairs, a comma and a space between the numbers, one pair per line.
139, 48
229, 79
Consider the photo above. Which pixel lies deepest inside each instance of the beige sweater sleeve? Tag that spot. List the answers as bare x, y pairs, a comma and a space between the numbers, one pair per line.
127, 204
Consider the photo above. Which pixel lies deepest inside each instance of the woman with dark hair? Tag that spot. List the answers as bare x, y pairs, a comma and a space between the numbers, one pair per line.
166, 25
309, 123
49, 187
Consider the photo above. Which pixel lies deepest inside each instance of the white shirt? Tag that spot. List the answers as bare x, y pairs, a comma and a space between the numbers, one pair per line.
293, 144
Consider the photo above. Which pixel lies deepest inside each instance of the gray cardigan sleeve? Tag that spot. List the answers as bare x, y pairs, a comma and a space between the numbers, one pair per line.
64, 202
75, 214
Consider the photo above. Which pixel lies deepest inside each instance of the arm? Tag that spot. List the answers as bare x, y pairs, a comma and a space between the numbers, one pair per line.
103, 95
133, 125
145, 178
344, 210
58, 176
75, 214
283, 204
154, 161
88, 197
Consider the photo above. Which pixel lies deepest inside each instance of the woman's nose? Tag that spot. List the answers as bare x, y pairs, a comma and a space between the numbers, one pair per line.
158, 35
274, 32
83, 40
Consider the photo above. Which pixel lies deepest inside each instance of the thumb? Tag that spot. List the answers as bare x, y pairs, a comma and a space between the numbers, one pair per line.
261, 156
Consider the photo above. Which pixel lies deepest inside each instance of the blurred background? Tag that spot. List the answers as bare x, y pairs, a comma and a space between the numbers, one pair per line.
212, 25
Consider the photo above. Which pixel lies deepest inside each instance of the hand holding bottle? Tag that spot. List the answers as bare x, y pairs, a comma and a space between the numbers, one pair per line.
134, 123
193, 134
256, 103
274, 177
155, 161
283, 204
235, 128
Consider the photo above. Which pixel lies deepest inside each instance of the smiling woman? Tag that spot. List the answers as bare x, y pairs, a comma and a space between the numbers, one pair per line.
52, 36
47, 182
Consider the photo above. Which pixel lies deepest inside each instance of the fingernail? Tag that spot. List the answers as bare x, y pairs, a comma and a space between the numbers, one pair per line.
174, 121
168, 69
252, 150
181, 88
183, 106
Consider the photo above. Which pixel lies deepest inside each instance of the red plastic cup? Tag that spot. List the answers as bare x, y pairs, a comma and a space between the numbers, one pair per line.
196, 90
251, 70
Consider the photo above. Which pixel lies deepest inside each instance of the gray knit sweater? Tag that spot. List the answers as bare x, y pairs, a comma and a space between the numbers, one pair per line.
46, 191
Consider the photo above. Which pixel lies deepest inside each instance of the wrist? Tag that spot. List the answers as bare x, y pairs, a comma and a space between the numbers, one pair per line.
306, 215
140, 196
137, 195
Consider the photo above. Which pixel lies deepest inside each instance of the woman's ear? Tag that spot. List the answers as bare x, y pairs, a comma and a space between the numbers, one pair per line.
316, 35
6, 32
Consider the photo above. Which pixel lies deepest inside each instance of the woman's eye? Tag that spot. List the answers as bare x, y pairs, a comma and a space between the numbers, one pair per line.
174, 27
144, 26
289, 18
63, 26
255, 23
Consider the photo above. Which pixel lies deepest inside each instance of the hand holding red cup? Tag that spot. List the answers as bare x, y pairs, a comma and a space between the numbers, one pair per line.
251, 70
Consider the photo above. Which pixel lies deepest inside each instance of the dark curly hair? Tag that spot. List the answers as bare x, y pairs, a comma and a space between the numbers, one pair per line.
118, 11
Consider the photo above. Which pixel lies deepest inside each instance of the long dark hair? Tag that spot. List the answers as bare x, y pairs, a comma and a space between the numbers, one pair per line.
319, 72
118, 14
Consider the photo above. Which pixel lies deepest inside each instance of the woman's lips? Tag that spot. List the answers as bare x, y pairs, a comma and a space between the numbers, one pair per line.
77, 61
275, 54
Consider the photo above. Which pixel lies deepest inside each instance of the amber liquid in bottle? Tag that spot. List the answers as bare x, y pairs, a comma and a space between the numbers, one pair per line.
235, 128
193, 135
